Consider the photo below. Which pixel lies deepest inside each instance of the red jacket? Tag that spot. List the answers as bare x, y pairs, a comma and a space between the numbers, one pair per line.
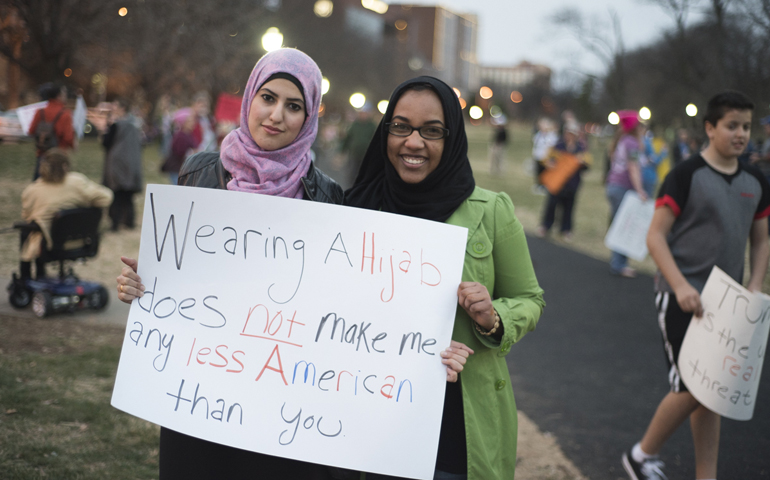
65, 134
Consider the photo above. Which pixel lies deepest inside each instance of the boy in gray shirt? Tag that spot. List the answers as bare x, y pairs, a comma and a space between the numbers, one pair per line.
707, 209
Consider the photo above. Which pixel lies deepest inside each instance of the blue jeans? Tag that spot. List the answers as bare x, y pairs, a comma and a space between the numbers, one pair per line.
615, 195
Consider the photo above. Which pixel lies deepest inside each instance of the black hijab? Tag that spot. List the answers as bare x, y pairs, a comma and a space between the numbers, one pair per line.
378, 185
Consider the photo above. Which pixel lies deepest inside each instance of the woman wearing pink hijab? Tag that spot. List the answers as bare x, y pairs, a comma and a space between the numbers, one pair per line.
269, 154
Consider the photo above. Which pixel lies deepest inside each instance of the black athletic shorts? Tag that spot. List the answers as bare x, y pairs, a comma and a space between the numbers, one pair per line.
673, 323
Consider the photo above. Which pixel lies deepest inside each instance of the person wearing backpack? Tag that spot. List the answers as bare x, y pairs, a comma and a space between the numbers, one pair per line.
52, 126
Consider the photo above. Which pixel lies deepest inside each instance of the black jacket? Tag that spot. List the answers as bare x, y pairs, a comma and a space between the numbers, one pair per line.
205, 170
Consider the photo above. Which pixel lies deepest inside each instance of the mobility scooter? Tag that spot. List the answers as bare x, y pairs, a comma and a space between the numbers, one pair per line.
74, 236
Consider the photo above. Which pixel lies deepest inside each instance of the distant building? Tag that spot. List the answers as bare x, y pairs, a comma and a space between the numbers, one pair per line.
434, 40
517, 77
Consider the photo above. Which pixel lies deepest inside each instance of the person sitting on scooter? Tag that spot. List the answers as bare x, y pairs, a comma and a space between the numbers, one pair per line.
56, 189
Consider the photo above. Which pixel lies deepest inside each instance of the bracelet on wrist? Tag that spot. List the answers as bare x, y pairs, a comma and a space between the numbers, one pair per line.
486, 332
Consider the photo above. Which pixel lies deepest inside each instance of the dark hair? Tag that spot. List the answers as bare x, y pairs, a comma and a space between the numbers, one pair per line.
54, 165
722, 103
420, 87
50, 90
123, 103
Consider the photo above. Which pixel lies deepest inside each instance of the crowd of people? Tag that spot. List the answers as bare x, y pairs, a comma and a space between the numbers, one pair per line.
711, 201
414, 162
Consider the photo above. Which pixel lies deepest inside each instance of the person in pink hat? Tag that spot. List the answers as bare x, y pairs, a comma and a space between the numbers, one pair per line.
625, 174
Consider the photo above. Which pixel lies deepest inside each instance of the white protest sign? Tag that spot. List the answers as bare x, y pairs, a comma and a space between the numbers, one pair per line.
27, 113
722, 353
628, 232
79, 116
292, 328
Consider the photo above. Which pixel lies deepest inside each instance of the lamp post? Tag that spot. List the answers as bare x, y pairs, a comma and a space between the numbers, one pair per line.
323, 8
272, 39
357, 100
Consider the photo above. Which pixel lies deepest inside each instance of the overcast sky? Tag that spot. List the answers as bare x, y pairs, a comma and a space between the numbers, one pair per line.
514, 30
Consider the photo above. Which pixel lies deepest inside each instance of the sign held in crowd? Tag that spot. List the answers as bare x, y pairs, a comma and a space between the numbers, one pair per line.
292, 328
722, 353
628, 232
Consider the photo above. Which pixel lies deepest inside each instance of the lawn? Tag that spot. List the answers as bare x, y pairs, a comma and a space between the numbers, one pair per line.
56, 376
56, 421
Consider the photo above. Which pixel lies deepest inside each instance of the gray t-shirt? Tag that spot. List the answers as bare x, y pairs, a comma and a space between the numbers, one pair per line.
714, 213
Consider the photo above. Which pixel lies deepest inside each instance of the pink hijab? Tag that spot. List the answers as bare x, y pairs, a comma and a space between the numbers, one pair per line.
276, 172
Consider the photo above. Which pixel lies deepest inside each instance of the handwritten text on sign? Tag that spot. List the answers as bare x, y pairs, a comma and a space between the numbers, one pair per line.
722, 353
292, 328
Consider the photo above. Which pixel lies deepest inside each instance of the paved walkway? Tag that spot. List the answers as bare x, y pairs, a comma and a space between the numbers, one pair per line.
593, 373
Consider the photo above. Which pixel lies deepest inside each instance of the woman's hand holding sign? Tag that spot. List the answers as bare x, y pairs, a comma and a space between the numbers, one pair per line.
129, 283
454, 358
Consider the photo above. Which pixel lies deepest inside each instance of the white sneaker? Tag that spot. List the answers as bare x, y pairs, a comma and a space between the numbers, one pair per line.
650, 469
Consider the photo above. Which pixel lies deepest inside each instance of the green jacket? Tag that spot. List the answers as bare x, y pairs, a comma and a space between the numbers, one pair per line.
497, 256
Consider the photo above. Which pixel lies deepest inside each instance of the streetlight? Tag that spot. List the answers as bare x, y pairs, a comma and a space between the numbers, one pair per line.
323, 8
325, 85
272, 39
613, 118
691, 110
485, 93
123, 12
516, 96
645, 113
476, 112
382, 106
375, 5
357, 100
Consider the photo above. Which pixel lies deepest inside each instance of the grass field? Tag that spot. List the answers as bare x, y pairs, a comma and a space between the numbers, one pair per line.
56, 377
56, 421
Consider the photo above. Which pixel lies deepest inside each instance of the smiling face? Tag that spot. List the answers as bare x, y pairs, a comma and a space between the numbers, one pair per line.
277, 114
730, 135
414, 157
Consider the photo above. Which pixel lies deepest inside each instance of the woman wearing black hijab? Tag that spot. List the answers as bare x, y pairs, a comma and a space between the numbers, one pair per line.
417, 165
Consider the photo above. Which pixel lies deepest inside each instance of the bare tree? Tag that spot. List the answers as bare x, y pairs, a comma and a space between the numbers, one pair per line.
666, 76
757, 12
54, 31
602, 40
182, 46
678, 10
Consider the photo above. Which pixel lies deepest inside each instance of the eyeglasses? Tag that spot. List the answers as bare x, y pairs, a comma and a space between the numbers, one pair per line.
428, 132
